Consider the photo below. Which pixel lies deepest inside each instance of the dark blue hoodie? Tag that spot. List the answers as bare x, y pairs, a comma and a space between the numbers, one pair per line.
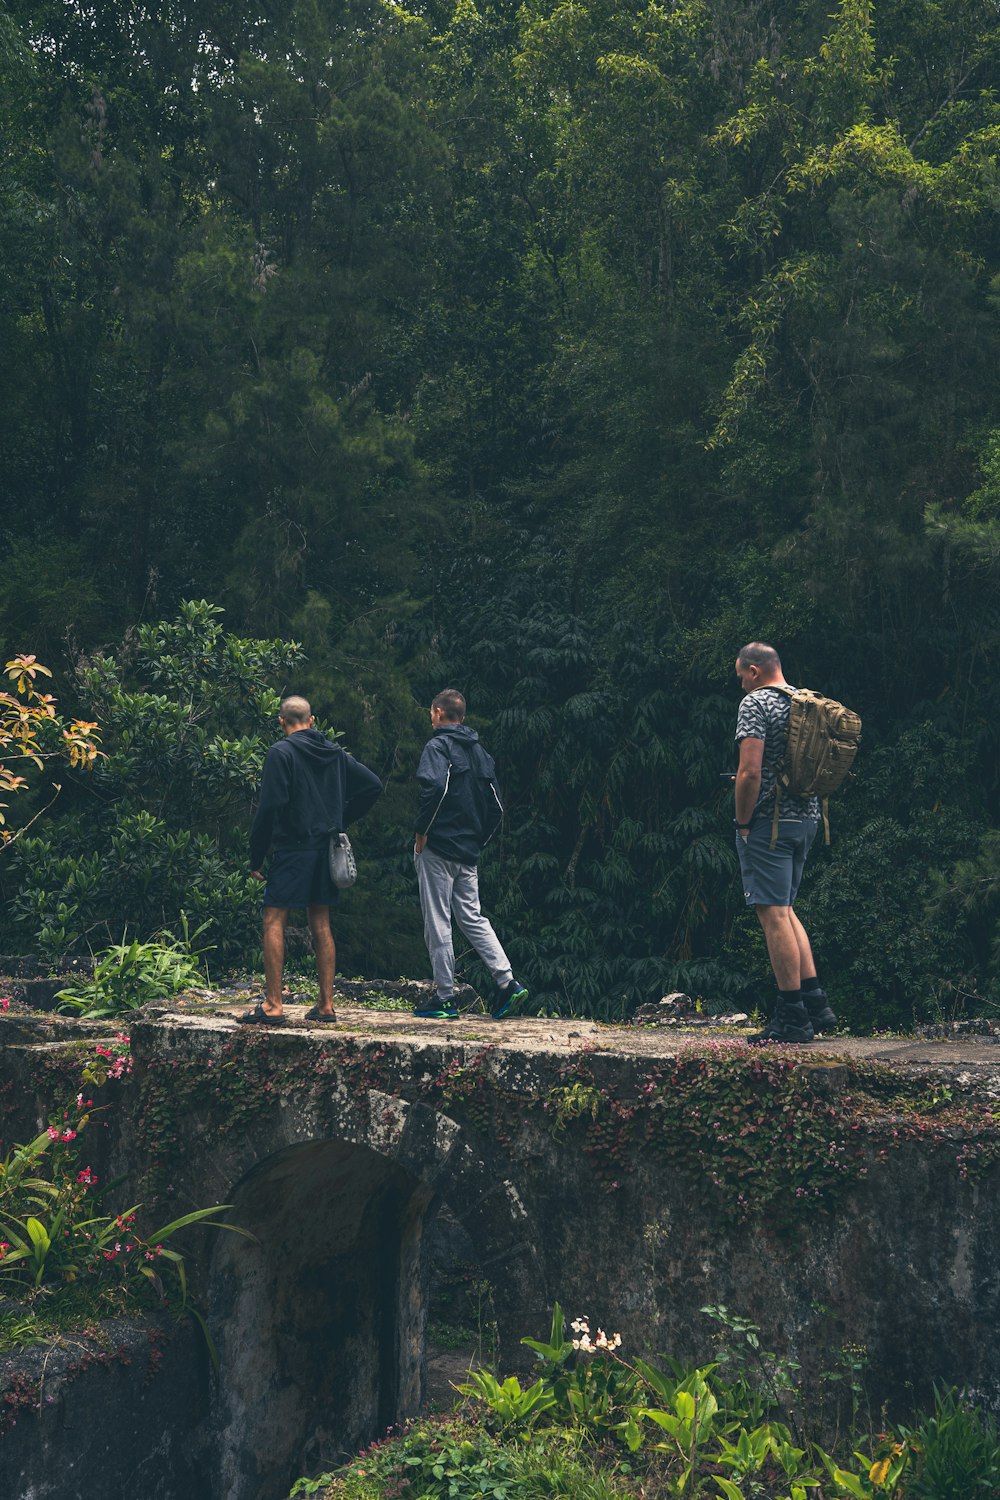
311, 788
460, 808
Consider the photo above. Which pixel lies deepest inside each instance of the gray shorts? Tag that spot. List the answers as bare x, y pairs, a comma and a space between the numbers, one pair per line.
771, 877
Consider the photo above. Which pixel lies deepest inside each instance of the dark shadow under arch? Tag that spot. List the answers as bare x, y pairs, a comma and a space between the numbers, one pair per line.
319, 1322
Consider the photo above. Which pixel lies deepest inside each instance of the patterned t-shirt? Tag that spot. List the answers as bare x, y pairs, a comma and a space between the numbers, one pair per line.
763, 715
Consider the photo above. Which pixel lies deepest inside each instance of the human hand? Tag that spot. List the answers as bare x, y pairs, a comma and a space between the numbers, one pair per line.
257, 874
419, 843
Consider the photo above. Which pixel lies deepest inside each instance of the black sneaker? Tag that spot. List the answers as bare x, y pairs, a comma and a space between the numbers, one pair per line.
821, 1016
790, 1023
437, 1009
509, 1000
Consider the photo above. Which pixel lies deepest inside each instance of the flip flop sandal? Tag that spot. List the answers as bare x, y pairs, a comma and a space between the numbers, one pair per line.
259, 1017
321, 1020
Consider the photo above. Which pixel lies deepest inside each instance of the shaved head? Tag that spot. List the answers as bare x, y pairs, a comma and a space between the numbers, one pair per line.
295, 710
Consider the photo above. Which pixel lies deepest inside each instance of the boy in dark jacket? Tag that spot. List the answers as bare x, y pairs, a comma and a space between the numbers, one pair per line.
311, 788
458, 814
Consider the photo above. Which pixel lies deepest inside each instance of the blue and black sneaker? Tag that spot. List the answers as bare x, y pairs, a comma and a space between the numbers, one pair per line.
509, 1000
437, 1009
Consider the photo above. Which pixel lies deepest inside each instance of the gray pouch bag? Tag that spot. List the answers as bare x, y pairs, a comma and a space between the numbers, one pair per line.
343, 869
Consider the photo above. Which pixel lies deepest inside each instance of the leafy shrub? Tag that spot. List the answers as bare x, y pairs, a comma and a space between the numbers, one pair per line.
129, 975
51, 1236
595, 1426
188, 712
455, 1459
31, 733
546, 1473
956, 1451
752, 1382
512, 1406
450, 1460
145, 872
450, 1335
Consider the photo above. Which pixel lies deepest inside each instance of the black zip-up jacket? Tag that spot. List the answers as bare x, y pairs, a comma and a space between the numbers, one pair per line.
460, 808
311, 788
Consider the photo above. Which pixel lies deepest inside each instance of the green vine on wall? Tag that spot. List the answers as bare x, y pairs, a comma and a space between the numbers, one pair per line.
761, 1135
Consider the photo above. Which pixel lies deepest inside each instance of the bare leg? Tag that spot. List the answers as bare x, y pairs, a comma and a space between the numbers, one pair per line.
781, 933
807, 964
275, 918
326, 955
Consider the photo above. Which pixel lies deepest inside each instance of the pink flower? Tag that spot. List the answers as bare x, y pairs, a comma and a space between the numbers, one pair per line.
87, 1177
4, 1002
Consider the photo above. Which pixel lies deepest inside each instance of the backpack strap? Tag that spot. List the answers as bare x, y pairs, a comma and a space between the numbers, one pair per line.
825, 805
779, 687
782, 687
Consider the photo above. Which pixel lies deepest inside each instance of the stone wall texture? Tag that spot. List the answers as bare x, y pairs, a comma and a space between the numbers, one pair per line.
112, 1417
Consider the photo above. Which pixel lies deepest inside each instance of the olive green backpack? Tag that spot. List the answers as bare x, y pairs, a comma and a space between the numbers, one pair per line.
823, 740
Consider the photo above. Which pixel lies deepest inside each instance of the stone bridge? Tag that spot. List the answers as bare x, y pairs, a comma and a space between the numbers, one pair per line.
835, 1195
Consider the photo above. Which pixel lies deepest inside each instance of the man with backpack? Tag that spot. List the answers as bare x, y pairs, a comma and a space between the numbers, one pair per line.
775, 828
458, 813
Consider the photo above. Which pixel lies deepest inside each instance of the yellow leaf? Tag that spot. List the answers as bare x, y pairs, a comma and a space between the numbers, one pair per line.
879, 1471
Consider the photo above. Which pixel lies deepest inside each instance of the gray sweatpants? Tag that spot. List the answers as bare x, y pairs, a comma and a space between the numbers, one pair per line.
449, 889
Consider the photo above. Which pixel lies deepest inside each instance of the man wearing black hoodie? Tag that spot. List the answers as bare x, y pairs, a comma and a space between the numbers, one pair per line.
459, 812
311, 788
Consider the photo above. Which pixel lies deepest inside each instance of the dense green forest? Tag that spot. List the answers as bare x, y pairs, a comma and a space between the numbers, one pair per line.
549, 350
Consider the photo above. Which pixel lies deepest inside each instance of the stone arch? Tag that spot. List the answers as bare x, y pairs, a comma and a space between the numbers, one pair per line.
319, 1323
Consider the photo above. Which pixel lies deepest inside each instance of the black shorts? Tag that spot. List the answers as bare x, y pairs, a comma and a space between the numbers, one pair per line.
300, 877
